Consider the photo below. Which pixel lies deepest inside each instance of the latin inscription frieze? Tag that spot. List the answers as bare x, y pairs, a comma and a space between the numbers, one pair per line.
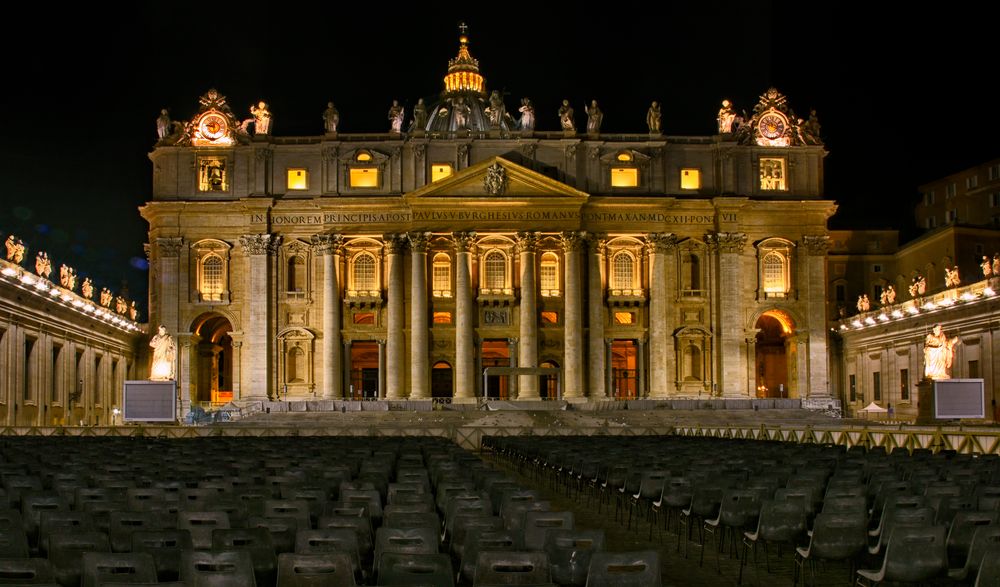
652, 219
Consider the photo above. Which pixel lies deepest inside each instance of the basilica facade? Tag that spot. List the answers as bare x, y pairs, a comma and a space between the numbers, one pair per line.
426, 261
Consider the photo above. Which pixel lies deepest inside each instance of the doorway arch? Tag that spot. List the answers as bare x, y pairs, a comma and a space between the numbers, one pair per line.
775, 355
213, 362
442, 380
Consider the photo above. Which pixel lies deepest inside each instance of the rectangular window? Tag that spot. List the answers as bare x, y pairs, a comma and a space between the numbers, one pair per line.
690, 179
841, 293
995, 200
973, 369
364, 318
877, 386
550, 318
212, 174
994, 172
773, 174
931, 222
904, 384
440, 171
441, 280
364, 177
950, 190
624, 317
929, 198
624, 177
29, 373
951, 216
852, 387
57, 372
972, 182
442, 317
298, 179
549, 279
877, 268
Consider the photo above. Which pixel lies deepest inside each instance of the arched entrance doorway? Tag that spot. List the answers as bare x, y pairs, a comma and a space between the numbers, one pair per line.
213, 362
441, 380
550, 383
775, 355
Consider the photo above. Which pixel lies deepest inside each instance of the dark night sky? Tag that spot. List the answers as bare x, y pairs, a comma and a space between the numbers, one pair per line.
900, 104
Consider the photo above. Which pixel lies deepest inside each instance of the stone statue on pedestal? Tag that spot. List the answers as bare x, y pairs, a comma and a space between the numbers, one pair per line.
951, 278
566, 117
594, 117
331, 118
939, 352
261, 118
420, 115
527, 110
496, 110
164, 352
396, 113
654, 118
726, 117
163, 125
863, 304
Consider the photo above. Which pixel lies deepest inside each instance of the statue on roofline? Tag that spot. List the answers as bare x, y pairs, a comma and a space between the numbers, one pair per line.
594, 117
396, 113
261, 118
15, 249
566, 117
527, 110
654, 118
331, 118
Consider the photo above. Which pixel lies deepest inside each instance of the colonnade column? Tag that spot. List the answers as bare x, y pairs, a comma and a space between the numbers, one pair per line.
814, 284
573, 320
597, 244
658, 246
729, 331
465, 373
259, 248
381, 368
331, 246
395, 378
419, 333
528, 316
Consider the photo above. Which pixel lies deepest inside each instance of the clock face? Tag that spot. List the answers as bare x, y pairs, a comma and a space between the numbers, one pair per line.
213, 127
771, 126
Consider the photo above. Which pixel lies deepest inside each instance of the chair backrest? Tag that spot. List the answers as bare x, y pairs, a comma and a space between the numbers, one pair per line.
13, 543
739, 508
26, 571
624, 569
838, 536
842, 504
677, 492
536, 524
331, 569
570, 552
415, 569
201, 525
361, 527
513, 515
961, 532
100, 568
228, 567
121, 525
498, 568
781, 521
989, 570
915, 553
412, 520
405, 541
288, 508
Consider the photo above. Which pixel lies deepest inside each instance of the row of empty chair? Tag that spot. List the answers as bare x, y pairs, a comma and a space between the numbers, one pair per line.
287, 512
899, 516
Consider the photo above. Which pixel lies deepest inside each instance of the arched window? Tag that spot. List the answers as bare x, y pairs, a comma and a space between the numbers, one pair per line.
691, 272
441, 276
622, 271
212, 278
296, 274
495, 270
774, 271
549, 275
363, 275
295, 365
692, 363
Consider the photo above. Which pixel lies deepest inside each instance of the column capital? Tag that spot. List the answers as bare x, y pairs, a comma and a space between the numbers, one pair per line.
169, 247
572, 241
465, 242
328, 244
260, 244
816, 244
526, 242
394, 243
418, 241
660, 242
597, 243
726, 242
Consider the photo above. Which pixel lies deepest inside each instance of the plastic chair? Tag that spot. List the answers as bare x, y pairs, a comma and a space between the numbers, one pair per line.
988, 574
282, 531
202, 568
835, 537
201, 525
912, 553
404, 541
289, 508
26, 571
256, 541
100, 568
360, 526
780, 522
570, 552
121, 525
496, 569
331, 569
960, 533
624, 569
536, 524
327, 540
13, 543
415, 569
66, 551
984, 538
738, 511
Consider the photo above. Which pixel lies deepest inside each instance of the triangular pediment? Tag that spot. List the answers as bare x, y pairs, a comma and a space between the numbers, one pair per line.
482, 180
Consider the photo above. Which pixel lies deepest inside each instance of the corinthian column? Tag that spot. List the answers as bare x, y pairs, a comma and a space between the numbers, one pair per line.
527, 351
419, 368
256, 372
395, 380
331, 246
658, 247
597, 244
729, 331
465, 369
814, 285
573, 320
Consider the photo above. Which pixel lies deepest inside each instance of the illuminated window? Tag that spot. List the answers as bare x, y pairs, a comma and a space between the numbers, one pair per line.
495, 270
772, 174
440, 171
364, 177
364, 318
690, 179
550, 317
363, 275
442, 317
441, 276
363, 156
624, 318
622, 270
624, 177
624, 156
212, 176
212, 278
549, 275
298, 179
